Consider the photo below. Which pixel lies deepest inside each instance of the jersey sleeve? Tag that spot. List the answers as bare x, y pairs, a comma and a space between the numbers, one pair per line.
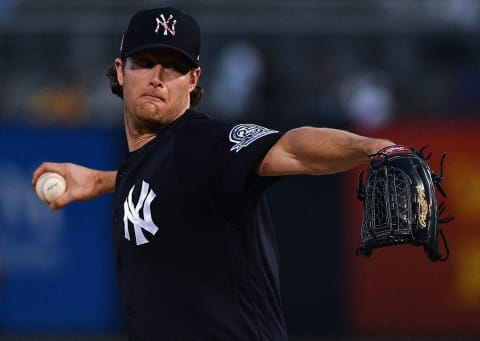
225, 157
242, 149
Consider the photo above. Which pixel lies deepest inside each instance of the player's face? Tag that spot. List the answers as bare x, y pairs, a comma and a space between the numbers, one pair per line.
156, 86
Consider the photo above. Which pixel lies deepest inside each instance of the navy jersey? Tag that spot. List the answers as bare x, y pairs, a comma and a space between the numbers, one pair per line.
195, 248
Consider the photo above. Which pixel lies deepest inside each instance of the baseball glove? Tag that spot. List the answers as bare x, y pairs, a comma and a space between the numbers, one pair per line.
400, 204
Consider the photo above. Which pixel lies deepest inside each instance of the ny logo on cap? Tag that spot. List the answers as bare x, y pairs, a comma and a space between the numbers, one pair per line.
164, 23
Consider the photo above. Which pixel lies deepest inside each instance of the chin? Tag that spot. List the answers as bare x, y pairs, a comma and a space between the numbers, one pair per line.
148, 123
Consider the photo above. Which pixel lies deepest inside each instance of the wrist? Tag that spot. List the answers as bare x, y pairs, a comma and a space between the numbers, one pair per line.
382, 146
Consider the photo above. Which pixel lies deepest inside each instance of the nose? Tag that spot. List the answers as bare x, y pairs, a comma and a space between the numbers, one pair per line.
155, 79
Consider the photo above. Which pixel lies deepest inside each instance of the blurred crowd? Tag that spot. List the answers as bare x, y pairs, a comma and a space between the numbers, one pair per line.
277, 79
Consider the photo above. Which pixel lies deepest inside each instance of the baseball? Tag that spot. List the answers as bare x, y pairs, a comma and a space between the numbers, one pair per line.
50, 186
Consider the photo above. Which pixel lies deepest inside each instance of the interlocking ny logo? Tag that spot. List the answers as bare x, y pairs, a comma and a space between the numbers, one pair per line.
164, 23
132, 214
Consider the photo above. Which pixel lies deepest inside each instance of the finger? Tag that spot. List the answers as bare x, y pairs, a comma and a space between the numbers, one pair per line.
47, 167
61, 201
37, 173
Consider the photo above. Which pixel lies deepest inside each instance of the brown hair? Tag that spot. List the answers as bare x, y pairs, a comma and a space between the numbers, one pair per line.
195, 96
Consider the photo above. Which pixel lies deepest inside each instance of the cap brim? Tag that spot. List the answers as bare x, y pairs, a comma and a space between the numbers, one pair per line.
160, 46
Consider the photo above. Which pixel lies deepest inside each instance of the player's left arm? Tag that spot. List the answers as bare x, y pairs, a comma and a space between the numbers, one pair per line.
318, 151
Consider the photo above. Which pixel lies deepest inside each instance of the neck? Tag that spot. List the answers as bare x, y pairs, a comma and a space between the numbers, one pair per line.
141, 128
137, 142
139, 135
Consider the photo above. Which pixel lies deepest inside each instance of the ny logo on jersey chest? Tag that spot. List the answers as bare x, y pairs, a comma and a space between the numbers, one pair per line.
132, 214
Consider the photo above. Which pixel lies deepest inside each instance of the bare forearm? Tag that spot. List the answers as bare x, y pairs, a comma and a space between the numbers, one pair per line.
318, 151
105, 181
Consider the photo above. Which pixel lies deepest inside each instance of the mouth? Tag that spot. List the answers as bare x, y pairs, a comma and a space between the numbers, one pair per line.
153, 98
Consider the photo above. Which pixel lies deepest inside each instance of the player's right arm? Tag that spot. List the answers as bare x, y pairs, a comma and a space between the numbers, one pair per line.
82, 183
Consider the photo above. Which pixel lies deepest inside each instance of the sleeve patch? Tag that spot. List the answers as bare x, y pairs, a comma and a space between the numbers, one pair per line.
242, 135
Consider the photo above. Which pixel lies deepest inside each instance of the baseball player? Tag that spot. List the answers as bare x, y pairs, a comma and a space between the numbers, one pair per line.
196, 253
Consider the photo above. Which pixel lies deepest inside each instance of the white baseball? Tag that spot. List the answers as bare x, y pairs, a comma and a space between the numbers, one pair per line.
50, 186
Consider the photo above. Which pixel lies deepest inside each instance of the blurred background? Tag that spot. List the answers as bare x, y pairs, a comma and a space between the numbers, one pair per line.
408, 70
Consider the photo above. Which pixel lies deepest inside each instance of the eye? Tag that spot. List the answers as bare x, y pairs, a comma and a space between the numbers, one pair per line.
177, 66
169, 65
142, 63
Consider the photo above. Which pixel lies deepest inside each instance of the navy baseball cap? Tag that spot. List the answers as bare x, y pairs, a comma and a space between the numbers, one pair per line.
166, 28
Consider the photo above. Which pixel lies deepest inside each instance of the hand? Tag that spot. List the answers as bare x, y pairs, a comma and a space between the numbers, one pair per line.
82, 183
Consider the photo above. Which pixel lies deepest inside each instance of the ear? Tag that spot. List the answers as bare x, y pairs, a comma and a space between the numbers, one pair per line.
194, 77
119, 68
